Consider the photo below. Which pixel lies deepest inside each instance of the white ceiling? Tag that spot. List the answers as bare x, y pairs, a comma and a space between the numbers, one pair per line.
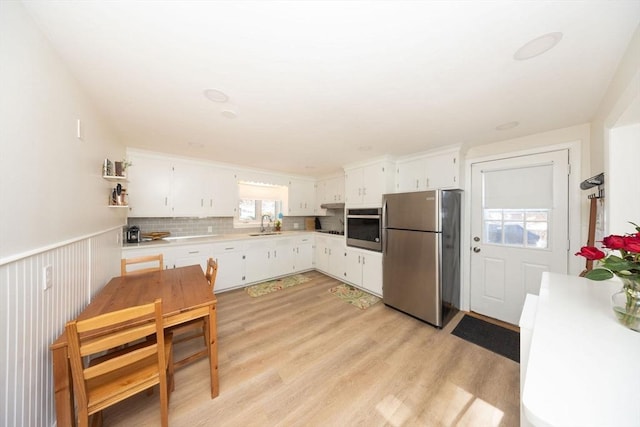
319, 84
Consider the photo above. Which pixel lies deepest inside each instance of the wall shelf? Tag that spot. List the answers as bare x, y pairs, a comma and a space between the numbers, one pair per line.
113, 178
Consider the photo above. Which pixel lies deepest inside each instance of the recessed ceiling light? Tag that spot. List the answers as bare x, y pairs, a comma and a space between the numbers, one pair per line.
196, 145
364, 148
507, 126
215, 95
538, 46
229, 114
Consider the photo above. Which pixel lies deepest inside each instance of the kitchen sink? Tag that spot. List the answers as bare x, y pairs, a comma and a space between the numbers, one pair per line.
271, 233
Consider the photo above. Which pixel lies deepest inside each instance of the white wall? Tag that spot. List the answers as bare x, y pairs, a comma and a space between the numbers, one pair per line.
32, 319
623, 194
621, 93
51, 188
54, 212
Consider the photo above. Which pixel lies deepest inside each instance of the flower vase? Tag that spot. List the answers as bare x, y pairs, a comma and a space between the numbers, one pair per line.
626, 304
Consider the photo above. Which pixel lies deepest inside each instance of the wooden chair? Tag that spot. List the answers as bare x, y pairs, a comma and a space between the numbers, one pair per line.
112, 377
196, 328
125, 262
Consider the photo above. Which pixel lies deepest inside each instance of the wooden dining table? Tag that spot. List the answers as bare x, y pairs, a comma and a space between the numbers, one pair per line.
185, 296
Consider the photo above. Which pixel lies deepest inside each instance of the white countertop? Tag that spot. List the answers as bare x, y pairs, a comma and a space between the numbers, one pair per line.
583, 367
214, 238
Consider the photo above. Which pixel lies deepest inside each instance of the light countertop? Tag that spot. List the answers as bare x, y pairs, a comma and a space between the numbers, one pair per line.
214, 238
583, 367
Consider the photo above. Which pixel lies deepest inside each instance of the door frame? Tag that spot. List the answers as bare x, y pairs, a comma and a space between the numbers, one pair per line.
575, 209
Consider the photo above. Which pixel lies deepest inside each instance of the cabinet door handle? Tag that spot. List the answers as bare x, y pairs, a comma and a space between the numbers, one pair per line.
202, 203
229, 249
165, 201
363, 258
275, 254
194, 252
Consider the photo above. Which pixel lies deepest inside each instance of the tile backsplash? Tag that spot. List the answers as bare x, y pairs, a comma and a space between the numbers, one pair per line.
179, 227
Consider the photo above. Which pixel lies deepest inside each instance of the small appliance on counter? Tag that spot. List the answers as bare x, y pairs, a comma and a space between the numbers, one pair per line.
133, 234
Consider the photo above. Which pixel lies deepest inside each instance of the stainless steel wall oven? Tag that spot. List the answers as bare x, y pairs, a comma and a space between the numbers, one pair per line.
364, 228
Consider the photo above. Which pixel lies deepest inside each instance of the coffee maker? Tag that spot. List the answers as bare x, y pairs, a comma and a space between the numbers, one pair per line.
133, 234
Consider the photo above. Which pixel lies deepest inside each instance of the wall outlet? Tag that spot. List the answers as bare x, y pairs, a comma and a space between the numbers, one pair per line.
47, 277
210, 229
295, 225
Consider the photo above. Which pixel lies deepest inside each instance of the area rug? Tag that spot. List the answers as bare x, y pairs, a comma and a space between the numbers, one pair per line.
502, 341
276, 285
354, 296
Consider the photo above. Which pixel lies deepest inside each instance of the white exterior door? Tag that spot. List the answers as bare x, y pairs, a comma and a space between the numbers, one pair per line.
519, 229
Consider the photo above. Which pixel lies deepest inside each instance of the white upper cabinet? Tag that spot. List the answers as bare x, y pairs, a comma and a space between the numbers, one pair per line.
334, 190
302, 197
192, 189
412, 175
149, 187
225, 192
365, 185
429, 172
329, 190
168, 187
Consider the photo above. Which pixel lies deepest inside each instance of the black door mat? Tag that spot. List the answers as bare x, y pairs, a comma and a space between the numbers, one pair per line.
495, 338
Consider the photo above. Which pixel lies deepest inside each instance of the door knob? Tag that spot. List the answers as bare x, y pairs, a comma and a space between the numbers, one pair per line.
476, 249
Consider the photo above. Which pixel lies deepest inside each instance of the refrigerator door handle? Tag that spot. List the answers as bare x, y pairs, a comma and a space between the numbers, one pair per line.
384, 214
383, 232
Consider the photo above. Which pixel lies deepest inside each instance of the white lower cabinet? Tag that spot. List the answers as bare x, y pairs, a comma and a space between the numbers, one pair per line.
278, 257
282, 261
189, 255
258, 260
364, 269
302, 252
231, 264
244, 262
329, 255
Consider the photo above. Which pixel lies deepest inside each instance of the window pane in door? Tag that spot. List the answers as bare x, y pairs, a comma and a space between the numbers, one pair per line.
516, 227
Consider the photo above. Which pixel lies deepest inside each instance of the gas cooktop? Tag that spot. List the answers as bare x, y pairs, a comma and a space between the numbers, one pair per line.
339, 233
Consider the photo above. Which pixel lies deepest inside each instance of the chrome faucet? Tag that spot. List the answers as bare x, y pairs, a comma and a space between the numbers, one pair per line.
262, 229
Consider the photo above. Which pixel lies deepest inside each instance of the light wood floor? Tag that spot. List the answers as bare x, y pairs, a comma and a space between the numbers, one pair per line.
302, 357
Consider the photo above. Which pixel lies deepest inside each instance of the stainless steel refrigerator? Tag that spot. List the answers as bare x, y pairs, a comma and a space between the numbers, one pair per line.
421, 254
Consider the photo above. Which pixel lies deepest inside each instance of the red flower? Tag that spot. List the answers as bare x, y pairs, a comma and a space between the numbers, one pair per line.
613, 242
632, 244
589, 252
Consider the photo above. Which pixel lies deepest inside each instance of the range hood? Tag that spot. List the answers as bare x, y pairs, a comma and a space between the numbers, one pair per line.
332, 206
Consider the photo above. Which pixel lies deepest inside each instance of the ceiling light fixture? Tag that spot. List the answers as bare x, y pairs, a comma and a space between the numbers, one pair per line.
229, 114
538, 46
507, 126
215, 95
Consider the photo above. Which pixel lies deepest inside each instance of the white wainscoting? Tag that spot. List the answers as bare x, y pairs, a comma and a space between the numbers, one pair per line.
32, 318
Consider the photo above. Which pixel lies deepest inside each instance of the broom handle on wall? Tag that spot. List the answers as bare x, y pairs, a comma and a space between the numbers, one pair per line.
593, 211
